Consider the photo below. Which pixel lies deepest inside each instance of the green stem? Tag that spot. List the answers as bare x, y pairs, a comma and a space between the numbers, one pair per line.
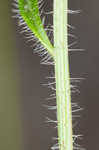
63, 94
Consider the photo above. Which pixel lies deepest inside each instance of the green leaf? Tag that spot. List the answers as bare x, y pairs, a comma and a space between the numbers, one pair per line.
29, 11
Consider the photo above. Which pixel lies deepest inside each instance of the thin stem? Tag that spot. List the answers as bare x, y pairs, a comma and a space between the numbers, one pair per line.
63, 94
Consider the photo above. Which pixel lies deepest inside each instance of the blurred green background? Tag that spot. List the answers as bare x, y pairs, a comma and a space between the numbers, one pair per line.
22, 116
10, 118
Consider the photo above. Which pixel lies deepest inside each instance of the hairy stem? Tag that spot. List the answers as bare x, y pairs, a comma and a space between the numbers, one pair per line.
63, 94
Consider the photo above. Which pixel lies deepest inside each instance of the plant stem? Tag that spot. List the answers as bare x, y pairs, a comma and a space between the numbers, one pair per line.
63, 93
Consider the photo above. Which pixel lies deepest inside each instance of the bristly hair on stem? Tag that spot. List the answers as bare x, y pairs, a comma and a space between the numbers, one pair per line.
56, 53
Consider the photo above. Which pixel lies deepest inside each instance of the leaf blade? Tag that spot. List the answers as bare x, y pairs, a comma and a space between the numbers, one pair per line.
29, 11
